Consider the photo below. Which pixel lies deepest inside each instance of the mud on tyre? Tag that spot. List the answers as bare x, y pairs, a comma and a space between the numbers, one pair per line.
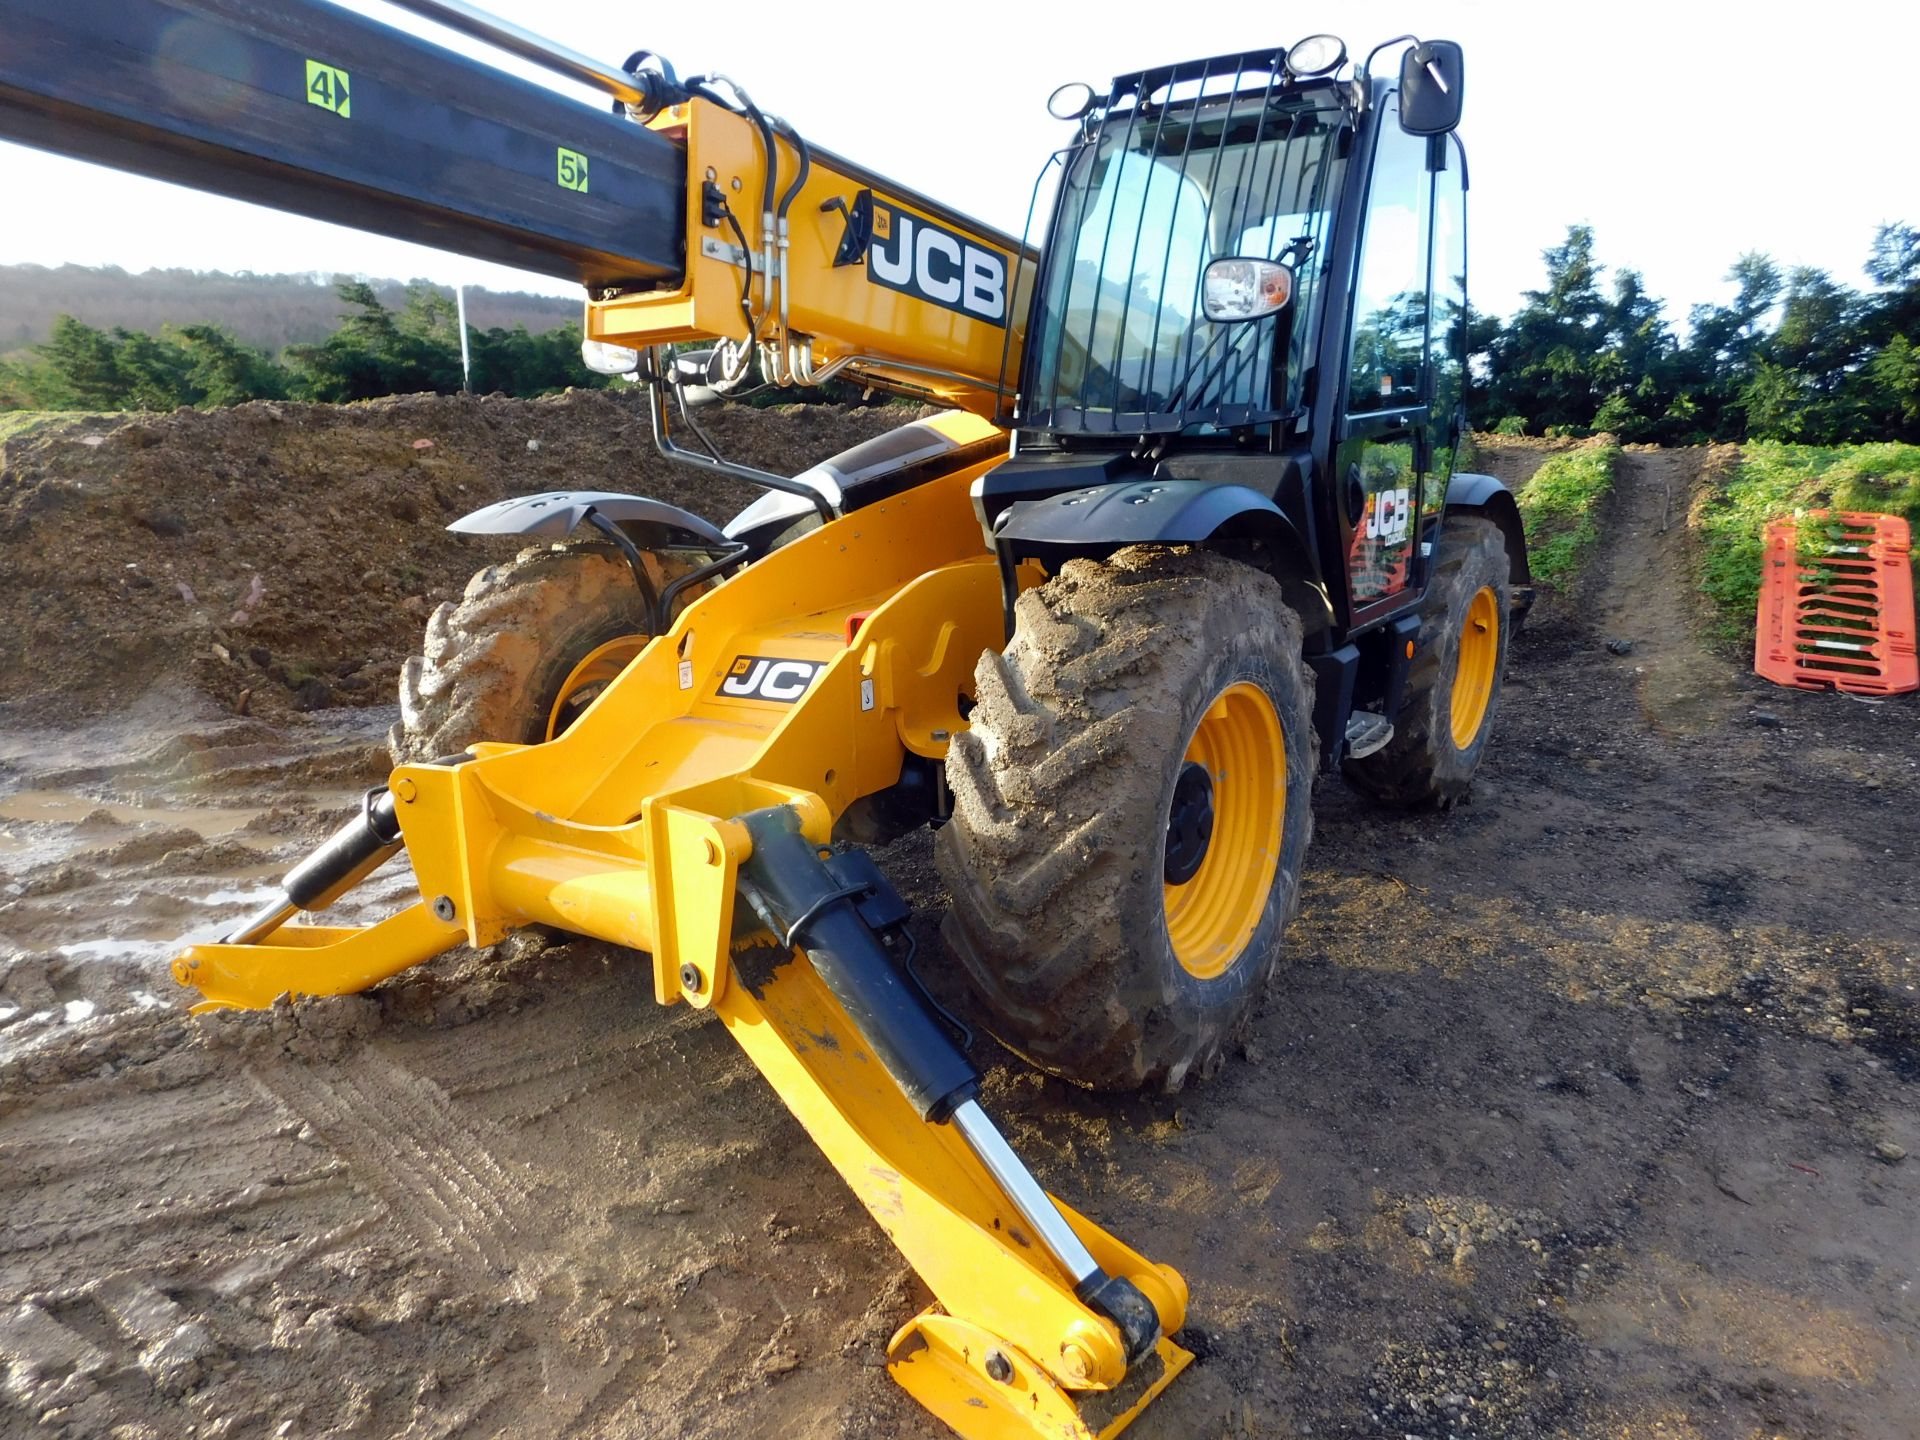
493, 665
1131, 806
1453, 688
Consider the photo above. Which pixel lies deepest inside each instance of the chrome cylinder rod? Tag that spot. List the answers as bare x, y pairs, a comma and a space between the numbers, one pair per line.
515, 40
262, 923
983, 1137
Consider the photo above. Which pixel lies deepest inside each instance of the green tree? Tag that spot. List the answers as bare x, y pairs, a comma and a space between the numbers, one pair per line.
1719, 359
1893, 264
1544, 366
153, 372
1635, 368
1891, 400
78, 369
376, 352
513, 362
222, 371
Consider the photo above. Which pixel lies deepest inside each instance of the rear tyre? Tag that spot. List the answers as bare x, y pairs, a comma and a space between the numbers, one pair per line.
528, 645
1131, 807
1453, 690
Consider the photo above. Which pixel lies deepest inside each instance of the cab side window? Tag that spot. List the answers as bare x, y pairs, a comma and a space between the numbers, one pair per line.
1390, 290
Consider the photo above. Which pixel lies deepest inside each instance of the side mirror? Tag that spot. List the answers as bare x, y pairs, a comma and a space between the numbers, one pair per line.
1236, 288
1432, 85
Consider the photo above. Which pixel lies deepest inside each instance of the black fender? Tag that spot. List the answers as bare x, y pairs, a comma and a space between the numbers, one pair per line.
1484, 495
556, 514
1094, 521
874, 470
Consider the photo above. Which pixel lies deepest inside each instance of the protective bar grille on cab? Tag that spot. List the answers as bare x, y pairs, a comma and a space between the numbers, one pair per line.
1836, 604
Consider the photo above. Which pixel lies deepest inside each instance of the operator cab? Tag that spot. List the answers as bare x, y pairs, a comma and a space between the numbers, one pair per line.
1253, 284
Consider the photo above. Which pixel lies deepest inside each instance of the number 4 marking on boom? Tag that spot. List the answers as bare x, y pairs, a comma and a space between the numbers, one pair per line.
327, 87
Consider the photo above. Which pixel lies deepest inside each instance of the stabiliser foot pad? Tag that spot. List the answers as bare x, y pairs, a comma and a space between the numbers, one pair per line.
987, 1389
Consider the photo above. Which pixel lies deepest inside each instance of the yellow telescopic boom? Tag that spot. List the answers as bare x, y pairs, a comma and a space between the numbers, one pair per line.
846, 275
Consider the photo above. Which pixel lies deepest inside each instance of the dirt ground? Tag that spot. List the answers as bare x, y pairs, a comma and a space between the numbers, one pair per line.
292, 552
1576, 1112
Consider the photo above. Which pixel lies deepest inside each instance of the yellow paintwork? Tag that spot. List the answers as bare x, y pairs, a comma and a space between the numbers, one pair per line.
923, 1185
1474, 665
1213, 915
840, 309
624, 828
598, 669
941, 1361
312, 960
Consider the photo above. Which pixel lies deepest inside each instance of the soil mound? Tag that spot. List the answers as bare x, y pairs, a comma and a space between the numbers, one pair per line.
291, 553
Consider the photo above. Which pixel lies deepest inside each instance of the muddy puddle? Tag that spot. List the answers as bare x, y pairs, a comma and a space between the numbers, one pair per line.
113, 854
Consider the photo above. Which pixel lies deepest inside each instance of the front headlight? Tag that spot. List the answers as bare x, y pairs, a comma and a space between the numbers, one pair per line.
605, 359
1316, 55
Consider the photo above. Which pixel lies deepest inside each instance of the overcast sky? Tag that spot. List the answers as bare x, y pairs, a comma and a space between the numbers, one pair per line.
1684, 132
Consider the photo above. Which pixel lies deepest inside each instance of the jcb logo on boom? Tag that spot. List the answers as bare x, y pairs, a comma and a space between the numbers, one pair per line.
1389, 516
765, 677
932, 263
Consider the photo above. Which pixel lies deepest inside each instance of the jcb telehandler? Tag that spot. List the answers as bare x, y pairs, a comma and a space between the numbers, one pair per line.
1187, 532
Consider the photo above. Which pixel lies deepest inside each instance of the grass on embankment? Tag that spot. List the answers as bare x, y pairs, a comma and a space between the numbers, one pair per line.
1560, 507
19, 422
1771, 479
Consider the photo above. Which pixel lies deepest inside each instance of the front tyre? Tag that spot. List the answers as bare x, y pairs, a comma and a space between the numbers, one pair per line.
526, 648
1131, 808
1453, 688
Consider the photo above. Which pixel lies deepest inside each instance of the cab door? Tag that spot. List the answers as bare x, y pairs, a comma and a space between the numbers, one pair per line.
1385, 452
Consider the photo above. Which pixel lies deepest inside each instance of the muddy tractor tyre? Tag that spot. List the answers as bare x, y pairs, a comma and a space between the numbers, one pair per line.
1130, 809
494, 665
1453, 689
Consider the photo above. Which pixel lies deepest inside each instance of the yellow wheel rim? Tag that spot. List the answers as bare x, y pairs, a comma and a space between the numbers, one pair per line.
1212, 914
587, 679
1473, 668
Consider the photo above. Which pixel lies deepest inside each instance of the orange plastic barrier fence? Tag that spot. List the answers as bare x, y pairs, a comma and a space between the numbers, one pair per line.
1836, 604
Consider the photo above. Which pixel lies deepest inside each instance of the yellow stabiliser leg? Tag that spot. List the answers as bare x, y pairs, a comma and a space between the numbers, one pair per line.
1046, 1325
994, 1357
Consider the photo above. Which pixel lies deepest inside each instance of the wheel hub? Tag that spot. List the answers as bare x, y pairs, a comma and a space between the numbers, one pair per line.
1189, 823
1474, 665
1224, 828
583, 685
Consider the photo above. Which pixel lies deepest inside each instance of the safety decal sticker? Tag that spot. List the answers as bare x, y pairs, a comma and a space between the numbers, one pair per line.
327, 87
767, 677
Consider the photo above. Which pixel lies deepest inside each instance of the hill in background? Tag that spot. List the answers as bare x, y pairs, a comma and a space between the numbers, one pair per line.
266, 311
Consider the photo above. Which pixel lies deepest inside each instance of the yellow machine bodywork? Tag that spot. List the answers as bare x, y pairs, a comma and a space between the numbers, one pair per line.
831, 313
624, 829
627, 827
619, 827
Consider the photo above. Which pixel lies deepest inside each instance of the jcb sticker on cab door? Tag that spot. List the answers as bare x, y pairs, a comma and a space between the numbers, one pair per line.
767, 677
1389, 516
932, 263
